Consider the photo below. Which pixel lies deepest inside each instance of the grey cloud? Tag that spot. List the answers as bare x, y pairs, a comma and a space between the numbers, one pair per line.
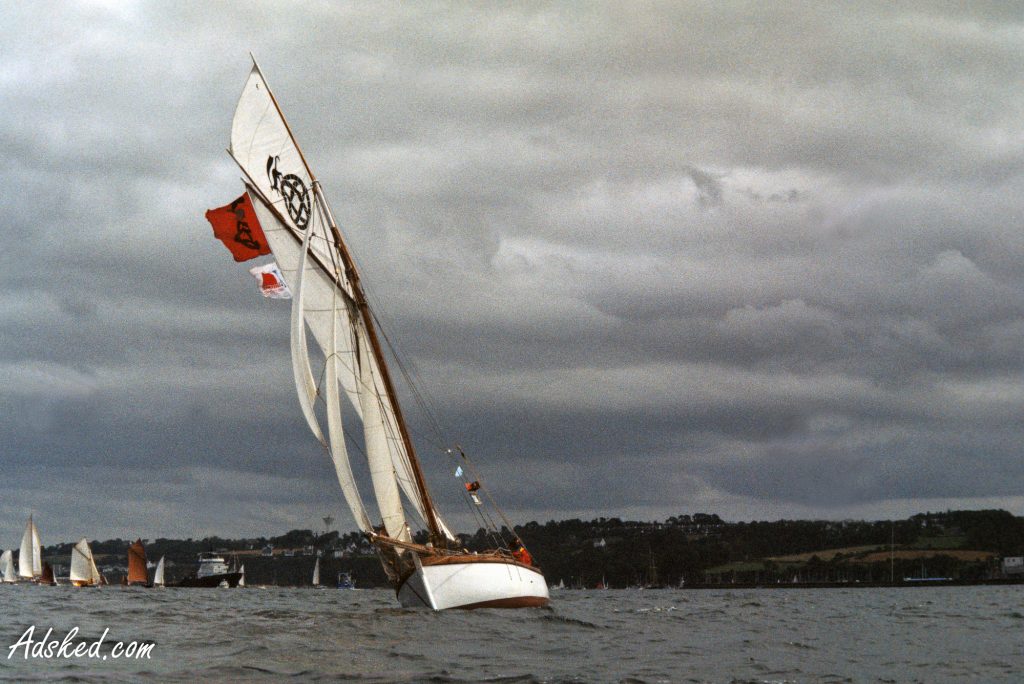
645, 258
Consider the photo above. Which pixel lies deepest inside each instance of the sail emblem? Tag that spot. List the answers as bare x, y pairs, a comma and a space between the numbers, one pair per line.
292, 190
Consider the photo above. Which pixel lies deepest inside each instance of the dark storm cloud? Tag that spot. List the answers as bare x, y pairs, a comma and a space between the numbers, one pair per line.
645, 258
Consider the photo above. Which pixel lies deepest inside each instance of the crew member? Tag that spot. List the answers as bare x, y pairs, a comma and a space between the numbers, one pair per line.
520, 553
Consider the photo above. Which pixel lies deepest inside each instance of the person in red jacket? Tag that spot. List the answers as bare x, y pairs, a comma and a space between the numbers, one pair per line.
520, 553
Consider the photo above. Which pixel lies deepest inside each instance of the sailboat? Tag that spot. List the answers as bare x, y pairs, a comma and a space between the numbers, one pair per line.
30, 556
137, 573
7, 567
84, 572
328, 296
316, 573
158, 574
47, 577
241, 572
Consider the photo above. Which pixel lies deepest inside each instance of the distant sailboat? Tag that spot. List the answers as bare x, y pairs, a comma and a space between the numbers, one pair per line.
47, 576
289, 204
30, 556
7, 567
84, 572
241, 579
158, 574
137, 573
316, 573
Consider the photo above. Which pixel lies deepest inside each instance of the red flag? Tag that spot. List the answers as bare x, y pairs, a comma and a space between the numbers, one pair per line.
236, 226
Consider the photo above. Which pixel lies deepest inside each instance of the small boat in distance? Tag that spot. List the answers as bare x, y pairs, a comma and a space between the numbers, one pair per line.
241, 571
137, 573
345, 581
84, 572
30, 558
316, 574
212, 572
7, 567
47, 576
158, 574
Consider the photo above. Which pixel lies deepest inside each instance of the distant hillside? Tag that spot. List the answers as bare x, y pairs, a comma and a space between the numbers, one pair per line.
694, 548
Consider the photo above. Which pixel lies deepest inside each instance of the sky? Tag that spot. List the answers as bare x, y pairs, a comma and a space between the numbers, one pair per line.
764, 260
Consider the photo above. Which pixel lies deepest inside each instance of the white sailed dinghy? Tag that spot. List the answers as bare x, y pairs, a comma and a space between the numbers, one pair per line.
158, 574
328, 297
84, 572
7, 573
30, 555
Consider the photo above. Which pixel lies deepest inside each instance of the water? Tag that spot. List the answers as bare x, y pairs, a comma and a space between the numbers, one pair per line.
796, 635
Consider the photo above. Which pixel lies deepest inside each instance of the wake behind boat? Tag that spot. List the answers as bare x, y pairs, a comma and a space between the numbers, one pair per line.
285, 212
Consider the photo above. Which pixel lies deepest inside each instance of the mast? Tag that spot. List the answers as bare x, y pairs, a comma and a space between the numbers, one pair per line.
364, 311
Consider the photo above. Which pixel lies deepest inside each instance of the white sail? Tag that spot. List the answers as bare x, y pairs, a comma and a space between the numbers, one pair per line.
158, 574
304, 382
399, 456
320, 293
25, 552
241, 580
7, 566
83, 566
316, 573
263, 146
339, 452
378, 451
325, 310
37, 553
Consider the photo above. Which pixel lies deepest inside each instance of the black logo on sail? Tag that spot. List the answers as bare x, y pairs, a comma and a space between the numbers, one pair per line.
292, 190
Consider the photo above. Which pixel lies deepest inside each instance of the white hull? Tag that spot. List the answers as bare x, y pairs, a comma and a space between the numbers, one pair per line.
499, 584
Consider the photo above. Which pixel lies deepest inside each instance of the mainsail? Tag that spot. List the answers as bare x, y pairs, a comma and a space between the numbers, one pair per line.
7, 567
83, 567
30, 561
314, 260
316, 573
137, 573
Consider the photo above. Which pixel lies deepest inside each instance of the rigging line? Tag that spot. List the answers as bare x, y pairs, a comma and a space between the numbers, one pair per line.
422, 398
487, 492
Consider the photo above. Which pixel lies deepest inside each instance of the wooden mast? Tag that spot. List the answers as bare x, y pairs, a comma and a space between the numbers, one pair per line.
364, 310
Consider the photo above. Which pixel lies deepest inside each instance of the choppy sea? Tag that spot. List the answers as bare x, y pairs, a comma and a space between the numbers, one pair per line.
929, 634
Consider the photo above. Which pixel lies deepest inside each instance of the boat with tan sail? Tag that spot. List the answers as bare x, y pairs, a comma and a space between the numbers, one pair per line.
84, 572
285, 205
138, 575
